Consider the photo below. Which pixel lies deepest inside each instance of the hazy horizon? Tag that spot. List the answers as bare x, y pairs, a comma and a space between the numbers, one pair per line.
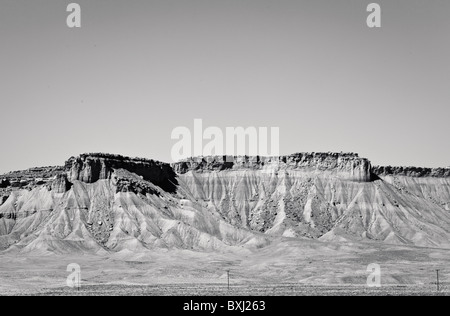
135, 70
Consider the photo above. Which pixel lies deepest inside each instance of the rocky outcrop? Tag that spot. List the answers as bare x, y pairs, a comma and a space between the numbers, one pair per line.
32, 174
61, 184
3, 199
4, 183
415, 172
29, 178
90, 168
126, 181
347, 166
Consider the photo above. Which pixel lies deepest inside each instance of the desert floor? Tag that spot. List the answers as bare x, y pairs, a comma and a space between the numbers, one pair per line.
286, 267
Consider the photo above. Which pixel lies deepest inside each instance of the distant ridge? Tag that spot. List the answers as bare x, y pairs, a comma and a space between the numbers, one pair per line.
101, 202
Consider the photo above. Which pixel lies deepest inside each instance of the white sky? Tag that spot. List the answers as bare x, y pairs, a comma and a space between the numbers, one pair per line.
137, 69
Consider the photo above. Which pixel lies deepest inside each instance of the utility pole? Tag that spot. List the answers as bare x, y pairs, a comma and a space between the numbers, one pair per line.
228, 277
437, 279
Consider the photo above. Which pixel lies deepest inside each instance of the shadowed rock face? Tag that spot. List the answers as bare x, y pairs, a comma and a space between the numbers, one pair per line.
61, 184
90, 168
4, 183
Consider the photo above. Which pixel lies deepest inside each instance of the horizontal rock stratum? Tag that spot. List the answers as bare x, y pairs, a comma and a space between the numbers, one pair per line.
345, 166
107, 203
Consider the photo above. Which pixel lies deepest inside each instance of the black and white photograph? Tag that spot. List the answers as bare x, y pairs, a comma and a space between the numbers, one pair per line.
224, 153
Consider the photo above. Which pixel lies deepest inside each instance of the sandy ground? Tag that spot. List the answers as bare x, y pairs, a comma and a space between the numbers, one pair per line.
287, 267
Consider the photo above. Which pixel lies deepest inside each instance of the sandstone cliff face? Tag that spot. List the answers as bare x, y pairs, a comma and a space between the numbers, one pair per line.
415, 172
346, 166
32, 174
90, 168
61, 184
130, 174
